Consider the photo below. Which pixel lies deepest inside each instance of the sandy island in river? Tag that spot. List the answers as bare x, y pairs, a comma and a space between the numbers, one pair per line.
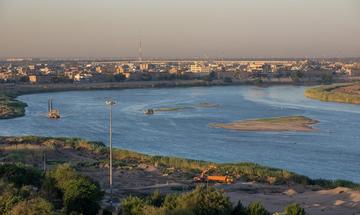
286, 123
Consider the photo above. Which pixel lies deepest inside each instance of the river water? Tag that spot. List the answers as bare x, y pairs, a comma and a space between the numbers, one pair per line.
331, 152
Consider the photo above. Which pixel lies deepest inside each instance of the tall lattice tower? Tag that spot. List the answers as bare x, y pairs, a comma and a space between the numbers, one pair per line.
140, 52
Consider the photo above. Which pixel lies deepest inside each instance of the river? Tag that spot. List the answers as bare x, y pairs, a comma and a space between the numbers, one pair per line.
332, 151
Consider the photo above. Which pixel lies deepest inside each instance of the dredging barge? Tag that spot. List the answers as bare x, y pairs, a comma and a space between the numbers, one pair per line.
52, 112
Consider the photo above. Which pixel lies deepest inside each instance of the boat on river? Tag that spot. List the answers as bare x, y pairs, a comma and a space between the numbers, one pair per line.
149, 111
52, 112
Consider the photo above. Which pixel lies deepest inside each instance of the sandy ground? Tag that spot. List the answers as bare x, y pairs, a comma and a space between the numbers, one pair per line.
300, 124
337, 201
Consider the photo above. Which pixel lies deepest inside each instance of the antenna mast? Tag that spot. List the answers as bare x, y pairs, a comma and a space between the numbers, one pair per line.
140, 52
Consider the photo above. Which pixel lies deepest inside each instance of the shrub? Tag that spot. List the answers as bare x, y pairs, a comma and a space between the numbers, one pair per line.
36, 206
256, 208
62, 174
239, 209
132, 206
201, 201
294, 209
20, 175
205, 201
80, 194
7, 201
156, 199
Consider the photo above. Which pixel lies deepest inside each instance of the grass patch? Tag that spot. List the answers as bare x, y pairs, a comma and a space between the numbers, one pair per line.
10, 107
333, 93
283, 119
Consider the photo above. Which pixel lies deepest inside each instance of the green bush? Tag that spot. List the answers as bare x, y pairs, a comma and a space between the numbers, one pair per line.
201, 201
294, 209
133, 206
20, 175
256, 208
156, 199
80, 194
205, 201
36, 206
7, 201
21, 188
239, 209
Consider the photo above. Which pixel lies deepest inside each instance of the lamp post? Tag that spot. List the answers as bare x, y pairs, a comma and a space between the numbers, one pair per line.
110, 103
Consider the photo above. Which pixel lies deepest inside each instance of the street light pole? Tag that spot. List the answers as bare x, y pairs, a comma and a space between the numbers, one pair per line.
110, 103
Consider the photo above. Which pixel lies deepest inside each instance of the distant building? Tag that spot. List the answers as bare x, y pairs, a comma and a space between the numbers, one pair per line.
144, 66
198, 68
41, 79
99, 69
6, 75
173, 70
354, 72
266, 68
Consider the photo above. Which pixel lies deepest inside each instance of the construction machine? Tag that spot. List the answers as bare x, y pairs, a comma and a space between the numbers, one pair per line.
204, 177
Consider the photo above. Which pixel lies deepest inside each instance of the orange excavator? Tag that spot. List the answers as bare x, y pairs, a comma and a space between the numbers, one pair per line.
203, 177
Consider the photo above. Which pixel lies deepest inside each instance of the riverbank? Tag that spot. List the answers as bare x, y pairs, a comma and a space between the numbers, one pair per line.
140, 175
82, 153
343, 93
276, 124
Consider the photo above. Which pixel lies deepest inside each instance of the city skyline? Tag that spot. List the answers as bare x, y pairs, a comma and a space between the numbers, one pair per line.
232, 29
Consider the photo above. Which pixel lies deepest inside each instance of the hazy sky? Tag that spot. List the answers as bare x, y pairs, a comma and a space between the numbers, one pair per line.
180, 28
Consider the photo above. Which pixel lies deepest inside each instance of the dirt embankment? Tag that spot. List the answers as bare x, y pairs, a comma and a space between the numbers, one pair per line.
278, 124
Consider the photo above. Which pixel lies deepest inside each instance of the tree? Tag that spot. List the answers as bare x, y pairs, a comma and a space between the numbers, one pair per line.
239, 209
258, 81
119, 77
256, 208
20, 175
24, 79
327, 78
294, 209
50, 191
146, 76
8, 200
79, 193
210, 77
205, 201
228, 80
36, 206
201, 201
296, 76
62, 174
83, 196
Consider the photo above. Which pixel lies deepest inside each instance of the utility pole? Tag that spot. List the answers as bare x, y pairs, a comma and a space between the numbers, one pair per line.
44, 161
110, 103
